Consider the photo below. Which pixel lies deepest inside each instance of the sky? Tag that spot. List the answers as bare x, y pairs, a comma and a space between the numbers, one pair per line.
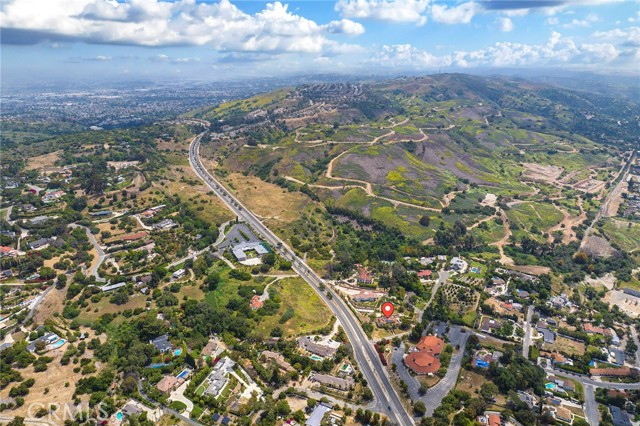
228, 39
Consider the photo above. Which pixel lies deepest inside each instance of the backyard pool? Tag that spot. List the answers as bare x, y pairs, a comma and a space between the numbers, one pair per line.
550, 386
158, 365
119, 416
183, 374
316, 358
58, 344
177, 352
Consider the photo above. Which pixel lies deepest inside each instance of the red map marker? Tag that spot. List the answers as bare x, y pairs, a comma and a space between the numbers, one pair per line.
387, 309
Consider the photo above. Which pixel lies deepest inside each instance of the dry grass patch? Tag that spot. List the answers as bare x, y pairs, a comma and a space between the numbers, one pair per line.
266, 199
41, 161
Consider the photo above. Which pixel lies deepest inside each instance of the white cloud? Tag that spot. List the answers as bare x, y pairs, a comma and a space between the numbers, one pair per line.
344, 26
384, 10
506, 25
407, 56
460, 14
162, 23
553, 21
627, 36
556, 51
582, 23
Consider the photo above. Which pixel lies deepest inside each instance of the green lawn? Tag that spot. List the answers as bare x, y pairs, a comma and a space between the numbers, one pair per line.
309, 311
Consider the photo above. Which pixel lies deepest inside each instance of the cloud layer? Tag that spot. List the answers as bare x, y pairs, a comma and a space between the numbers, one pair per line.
220, 25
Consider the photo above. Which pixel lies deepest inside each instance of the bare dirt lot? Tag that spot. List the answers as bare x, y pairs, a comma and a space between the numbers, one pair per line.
598, 246
41, 161
626, 302
546, 173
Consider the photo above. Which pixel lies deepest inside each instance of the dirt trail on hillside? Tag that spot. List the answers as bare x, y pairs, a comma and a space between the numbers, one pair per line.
504, 259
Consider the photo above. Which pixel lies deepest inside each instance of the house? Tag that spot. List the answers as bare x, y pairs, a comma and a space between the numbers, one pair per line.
162, 343
563, 414
333, 381
306, 343
256, 303
130, 410
620, 418
591, 329
178, 274
269, 356
219, 376
366, 296
384, 321
489, 324
40, 244
51, 196
165, 224
489, 419
364, 276
8, 251
319, 411
425, 359
458, 264
112, 286
547, 335
523, 294
101, 213
613, 372
134, 236
210, 348
167, 384
528, 399
425, 274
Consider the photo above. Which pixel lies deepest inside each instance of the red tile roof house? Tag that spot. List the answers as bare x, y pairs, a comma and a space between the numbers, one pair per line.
8, 251
425, 274
256, 303
425, 359
364, 277
133, 237
591, 329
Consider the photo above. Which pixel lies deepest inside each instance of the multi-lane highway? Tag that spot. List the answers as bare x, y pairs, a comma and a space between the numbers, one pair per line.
387, 401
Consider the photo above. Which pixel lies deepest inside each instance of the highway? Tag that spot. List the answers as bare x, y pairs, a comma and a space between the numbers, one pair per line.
387, 400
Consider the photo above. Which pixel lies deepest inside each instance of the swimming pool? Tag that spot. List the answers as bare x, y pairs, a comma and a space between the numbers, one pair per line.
119, 416
183, 374
177, 352
550, 386
58, 344
316, 358
158, 365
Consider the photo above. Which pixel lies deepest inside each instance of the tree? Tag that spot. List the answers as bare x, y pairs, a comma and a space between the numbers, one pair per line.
488, 391
62, 281
425, 220
419, 409
47, 273
212, 281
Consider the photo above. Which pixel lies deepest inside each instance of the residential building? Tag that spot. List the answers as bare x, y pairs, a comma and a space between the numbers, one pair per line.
240, 250
167, 384
319, 411
178, 274
112, 286
364, 276
256, 303
458, 264
489, 325
162, 343
269, 356
307, 343
619, 417
219, 376
425, 274
333, 381
563, 414
547, 335
40, 244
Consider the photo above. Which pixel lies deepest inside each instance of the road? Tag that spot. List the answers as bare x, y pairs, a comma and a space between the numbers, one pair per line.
634, 335
605, 205
526, 342
591, 406
434, 395
101, 254
221, 236
387, 400
586, 380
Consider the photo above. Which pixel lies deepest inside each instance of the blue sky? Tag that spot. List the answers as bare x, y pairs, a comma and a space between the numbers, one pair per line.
190, 39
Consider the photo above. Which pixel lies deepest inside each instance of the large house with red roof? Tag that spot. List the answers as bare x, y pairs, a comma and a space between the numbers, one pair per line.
424, 360
364, 276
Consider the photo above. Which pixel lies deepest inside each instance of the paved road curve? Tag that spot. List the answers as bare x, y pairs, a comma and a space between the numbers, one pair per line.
386, 398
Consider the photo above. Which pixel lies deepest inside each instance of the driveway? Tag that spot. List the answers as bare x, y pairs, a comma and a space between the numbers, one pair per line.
178, 395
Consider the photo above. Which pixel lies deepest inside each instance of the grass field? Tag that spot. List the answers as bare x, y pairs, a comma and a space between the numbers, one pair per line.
543, 216
309, 311
625, 234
